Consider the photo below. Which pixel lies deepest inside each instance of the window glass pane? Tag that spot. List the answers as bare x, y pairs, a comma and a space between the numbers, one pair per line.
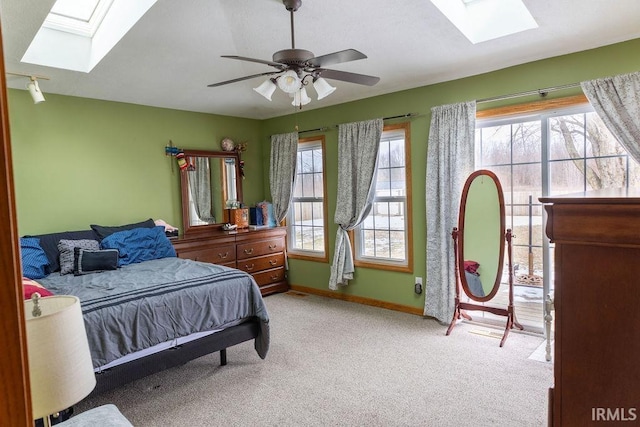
318, 185
317, 160
397, 245
566, 176
398, 184
383, 184
496, 145
504, 176
608, 172
307, 185
396, 156
306, 161
383, 154
526, 142
566, 136
526, 180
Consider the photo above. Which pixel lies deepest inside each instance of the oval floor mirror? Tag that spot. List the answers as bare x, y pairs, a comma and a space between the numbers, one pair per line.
479, 248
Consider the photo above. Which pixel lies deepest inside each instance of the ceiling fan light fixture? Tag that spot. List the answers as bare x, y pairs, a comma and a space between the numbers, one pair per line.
322, 87
301, 98
289, 81
266, 89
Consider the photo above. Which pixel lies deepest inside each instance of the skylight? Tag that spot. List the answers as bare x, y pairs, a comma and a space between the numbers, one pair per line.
482, 20
81, 17
77, 34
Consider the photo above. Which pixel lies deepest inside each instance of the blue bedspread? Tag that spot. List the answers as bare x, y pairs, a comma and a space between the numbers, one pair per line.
140, 305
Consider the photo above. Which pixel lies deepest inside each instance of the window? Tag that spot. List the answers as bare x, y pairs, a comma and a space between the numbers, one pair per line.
306, 219
383, 239
546, 153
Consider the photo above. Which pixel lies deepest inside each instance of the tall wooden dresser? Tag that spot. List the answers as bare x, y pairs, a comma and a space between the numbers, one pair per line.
258, 252
597, 303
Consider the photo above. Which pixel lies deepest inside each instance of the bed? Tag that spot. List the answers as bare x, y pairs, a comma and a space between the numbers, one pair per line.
143, 316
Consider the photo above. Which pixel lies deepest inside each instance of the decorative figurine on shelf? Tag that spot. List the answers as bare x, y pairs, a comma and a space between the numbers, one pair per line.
227, 144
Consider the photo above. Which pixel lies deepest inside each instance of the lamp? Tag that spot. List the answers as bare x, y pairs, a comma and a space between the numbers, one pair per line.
322, 87
289, 81
300, 98
267, 88
34, 90
60, 367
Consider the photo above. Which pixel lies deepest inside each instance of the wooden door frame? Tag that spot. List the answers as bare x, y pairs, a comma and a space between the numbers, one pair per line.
15, 401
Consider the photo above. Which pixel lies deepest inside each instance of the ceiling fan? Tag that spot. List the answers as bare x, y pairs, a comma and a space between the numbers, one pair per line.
297, 66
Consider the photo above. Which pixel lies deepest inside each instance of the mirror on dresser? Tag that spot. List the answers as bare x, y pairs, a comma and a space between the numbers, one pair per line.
210, 180
479, 243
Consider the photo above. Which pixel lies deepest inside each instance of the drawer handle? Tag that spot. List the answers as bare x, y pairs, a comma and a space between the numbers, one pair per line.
272, 247
274, 278
223, 256
248, 251
249, 267
273, 262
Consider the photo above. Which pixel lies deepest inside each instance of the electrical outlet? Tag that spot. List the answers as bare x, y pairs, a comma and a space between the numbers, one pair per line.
418, 280
418, 285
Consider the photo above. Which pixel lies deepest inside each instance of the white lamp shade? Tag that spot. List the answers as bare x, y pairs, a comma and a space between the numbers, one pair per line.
60, 367
301, 98
266, 89
34, 90
289, 81
323, 88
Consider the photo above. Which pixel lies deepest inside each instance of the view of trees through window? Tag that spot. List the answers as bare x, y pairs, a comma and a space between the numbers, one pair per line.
306, 216
548, 155
382, 236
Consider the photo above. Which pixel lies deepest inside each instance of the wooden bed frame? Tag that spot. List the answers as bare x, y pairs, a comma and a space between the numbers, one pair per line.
139, 368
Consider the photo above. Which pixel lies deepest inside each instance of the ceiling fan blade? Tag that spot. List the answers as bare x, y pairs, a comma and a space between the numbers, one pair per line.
259, 61
336, 58
239, 79
345, 76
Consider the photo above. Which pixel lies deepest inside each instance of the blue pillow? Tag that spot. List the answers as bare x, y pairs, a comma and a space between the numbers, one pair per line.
35, 264
139, 244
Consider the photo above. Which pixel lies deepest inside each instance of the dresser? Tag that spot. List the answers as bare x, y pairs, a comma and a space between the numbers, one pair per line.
260, 253
597, 308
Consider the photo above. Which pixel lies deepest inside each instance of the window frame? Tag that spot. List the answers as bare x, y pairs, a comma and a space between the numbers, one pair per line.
306, 254
406, 266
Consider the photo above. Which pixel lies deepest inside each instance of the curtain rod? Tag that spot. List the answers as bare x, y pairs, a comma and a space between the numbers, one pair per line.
325, 128
541, 92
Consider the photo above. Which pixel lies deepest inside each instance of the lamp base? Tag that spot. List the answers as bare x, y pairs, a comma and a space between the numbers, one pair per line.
54, 419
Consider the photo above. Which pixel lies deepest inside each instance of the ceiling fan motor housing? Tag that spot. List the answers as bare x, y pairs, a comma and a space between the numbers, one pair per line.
295, 57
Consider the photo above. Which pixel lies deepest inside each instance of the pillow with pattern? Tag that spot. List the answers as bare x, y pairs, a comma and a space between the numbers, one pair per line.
87, 261
35, 264
66, 249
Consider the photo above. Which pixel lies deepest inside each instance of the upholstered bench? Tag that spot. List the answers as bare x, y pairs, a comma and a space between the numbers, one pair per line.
105, 415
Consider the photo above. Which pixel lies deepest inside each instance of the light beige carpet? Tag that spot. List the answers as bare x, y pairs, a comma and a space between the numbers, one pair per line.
335, 363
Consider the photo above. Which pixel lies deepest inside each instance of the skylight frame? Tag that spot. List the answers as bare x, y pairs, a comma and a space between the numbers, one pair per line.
76, 24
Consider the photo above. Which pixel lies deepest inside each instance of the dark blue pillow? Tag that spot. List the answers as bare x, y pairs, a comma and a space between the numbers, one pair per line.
139, 244
35, 264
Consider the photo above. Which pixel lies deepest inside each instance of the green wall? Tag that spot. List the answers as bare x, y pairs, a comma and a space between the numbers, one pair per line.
80, 161
398, 288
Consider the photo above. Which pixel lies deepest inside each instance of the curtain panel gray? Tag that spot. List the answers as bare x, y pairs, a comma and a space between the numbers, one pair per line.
200, 186
450, 159
617, 102
282, 172
358, 145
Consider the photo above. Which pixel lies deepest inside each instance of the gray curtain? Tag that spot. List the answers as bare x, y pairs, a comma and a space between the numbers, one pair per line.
358, 145
200, 186
282, 172
617, 102
450, 159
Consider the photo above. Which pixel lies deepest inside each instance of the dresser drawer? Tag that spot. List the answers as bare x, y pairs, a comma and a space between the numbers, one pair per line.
256, 264
260, 247
269, 276
217, 255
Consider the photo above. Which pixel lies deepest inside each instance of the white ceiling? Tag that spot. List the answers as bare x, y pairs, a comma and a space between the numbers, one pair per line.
173, 53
